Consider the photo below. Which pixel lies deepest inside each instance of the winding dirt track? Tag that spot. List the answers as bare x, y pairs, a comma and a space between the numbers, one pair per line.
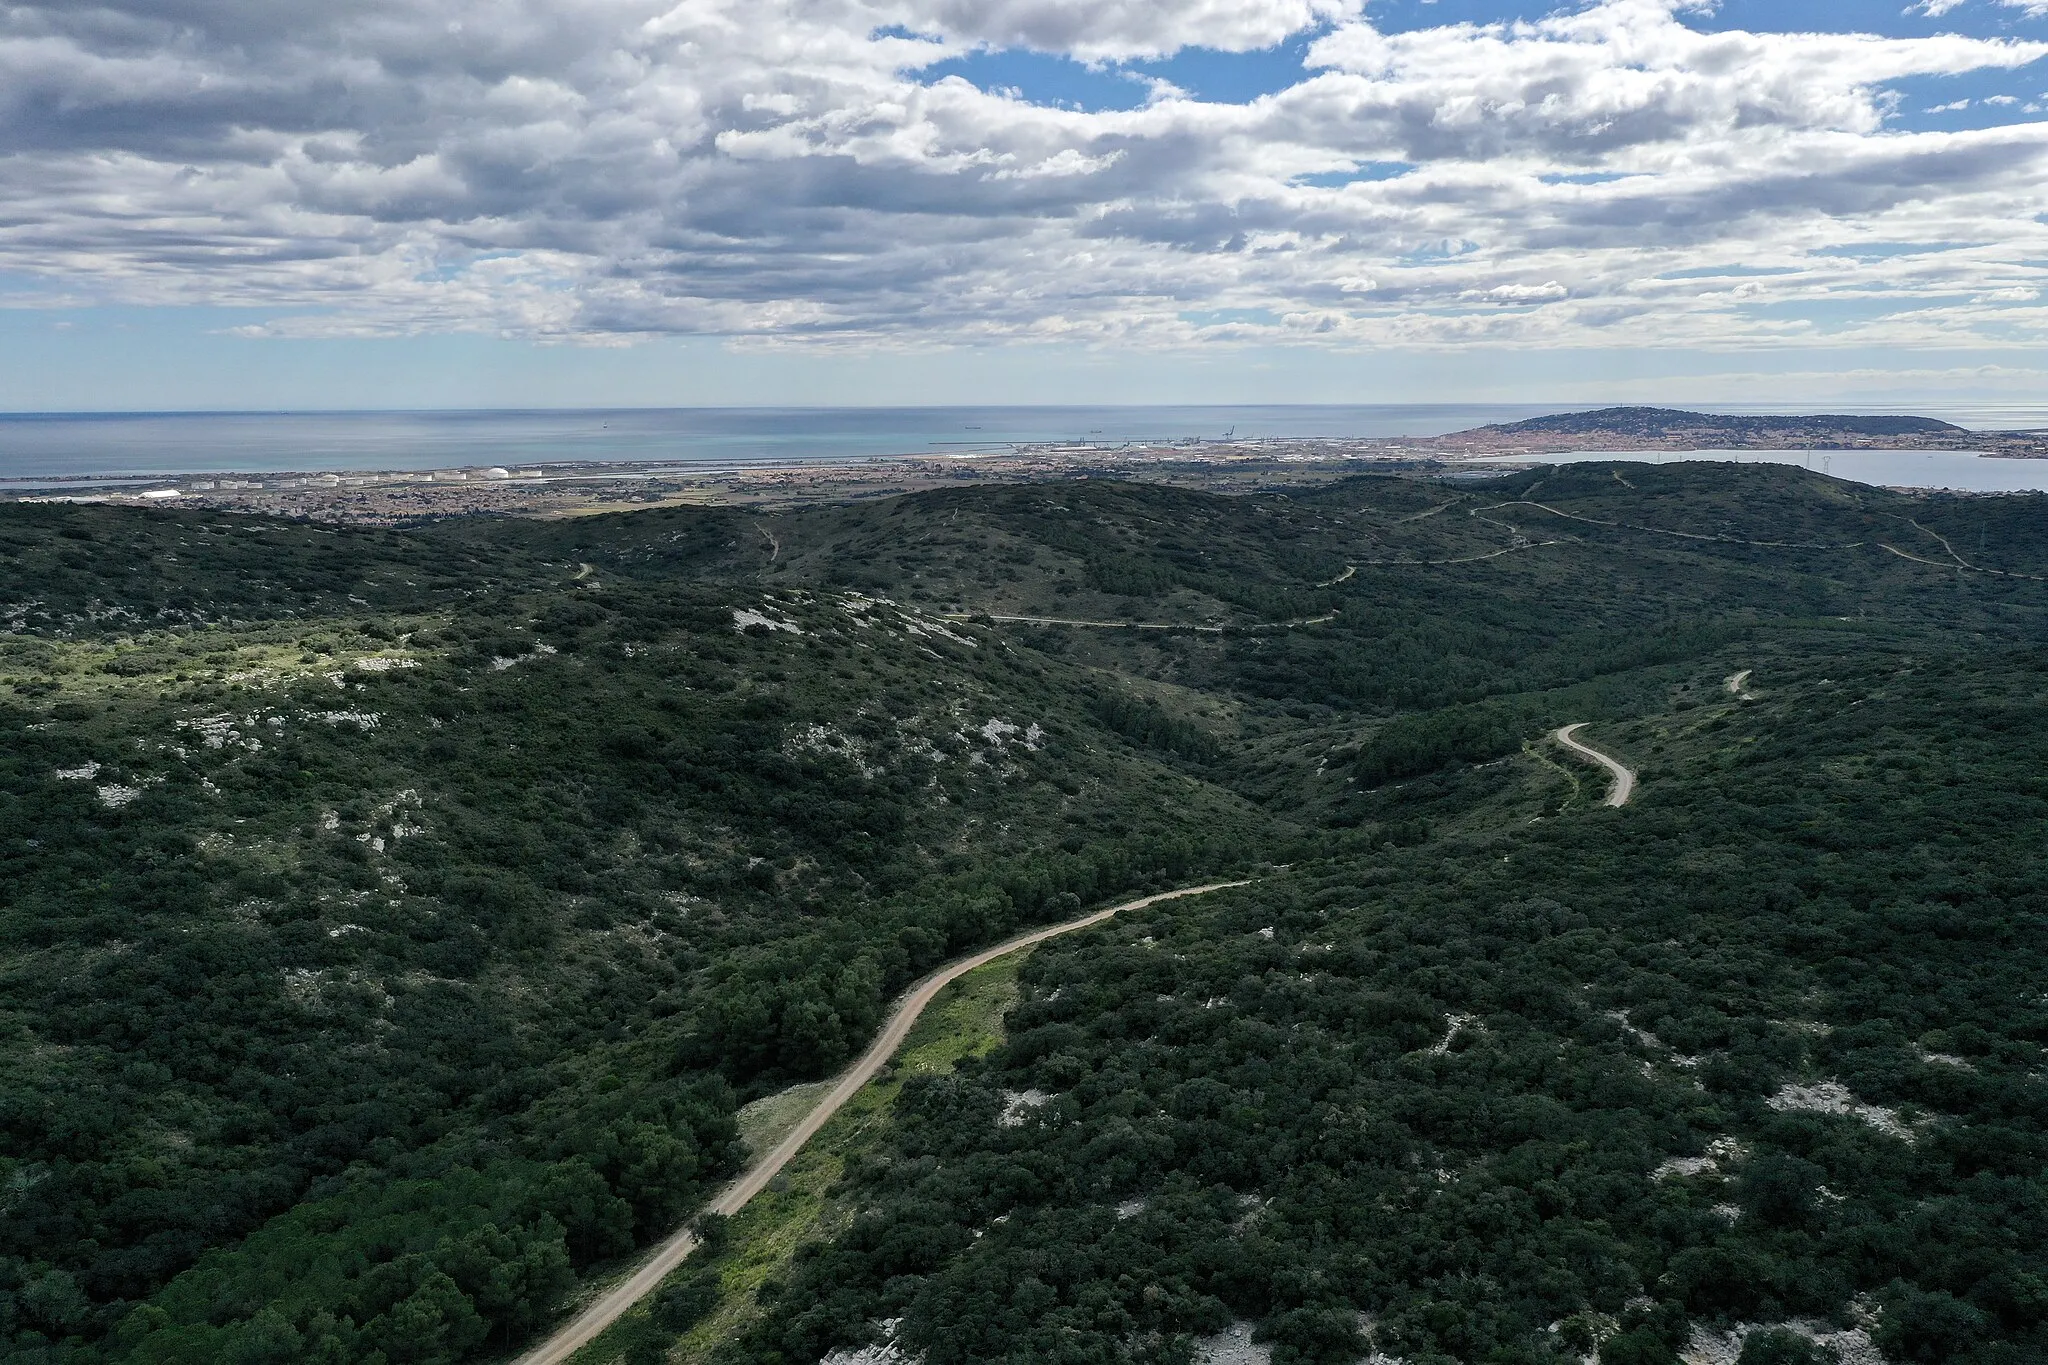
1624, 779
670, 1254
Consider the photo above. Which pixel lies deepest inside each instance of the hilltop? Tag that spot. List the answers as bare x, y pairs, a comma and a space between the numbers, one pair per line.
1673, 429
1666, 423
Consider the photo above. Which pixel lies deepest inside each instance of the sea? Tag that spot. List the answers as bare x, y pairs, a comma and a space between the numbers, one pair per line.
124, 448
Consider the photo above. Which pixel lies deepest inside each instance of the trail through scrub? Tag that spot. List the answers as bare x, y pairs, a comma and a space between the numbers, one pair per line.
1961, 567
1469, 559
593, 1320
1665, 531
1324, 619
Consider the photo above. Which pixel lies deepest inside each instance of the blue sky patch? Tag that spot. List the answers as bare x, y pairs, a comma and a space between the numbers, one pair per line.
1402, 16
1891, 18
1045, 79
1729, 272
1366, 172
1977, 99
1885, 251
1063, 83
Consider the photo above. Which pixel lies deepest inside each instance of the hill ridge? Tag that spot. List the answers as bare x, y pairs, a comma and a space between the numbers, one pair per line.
1656, 421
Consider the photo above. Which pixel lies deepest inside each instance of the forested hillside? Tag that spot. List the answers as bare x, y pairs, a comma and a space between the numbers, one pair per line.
1766, 1046
393, 922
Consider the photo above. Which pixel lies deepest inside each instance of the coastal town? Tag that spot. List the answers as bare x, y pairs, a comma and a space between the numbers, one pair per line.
583, 487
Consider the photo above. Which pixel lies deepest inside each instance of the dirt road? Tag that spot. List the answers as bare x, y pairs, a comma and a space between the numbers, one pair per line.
1070, 621
1624, 780
1138, 625
670, 1254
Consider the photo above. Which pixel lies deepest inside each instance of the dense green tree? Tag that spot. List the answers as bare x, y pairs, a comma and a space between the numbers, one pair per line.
391, 922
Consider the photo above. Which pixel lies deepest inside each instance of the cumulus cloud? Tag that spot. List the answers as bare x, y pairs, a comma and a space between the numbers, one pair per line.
1095, 30
785, 172
1935, 9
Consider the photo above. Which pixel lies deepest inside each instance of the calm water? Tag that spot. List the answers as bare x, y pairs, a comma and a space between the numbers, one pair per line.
60, 445
1951, 469
45, 446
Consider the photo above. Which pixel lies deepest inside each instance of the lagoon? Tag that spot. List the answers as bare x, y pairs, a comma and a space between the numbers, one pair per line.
1956, 470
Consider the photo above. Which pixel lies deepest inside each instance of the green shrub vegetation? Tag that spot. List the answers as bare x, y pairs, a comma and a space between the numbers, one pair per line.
392, 923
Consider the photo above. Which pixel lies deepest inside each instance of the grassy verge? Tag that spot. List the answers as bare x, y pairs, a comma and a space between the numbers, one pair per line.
767, 1121
799, 1206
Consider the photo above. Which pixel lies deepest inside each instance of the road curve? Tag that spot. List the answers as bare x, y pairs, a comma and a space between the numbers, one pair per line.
1624, 779
670, 1254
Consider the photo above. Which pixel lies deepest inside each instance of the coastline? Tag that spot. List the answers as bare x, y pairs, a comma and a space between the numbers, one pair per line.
575, 487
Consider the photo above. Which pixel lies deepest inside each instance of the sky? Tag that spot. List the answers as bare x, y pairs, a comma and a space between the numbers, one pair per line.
480, 203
